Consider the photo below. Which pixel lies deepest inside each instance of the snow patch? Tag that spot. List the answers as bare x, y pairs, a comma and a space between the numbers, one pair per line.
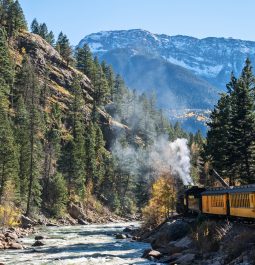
209, 71
95, 46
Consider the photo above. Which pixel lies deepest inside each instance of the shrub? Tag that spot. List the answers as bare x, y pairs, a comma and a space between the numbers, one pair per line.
9, 216
162, 202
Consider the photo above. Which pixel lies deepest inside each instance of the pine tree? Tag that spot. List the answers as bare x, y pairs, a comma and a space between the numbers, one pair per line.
5, 6
35, 27
51, 152
243, 124
50, 38
28, 81
15, 19
110, 77
6, 65
230, 139
43, 30
101, 154
72, 160
84, 61
21, 123
8, 150
90, 154
64, 48
101, 89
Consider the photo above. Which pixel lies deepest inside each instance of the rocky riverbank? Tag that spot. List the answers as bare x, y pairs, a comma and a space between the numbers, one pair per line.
190, 241
10, 238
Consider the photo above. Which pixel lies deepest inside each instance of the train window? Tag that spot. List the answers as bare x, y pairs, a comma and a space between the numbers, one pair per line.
217, 201
241, 200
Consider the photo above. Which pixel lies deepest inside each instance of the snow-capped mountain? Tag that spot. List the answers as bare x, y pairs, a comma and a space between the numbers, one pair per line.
210, 58
186, 72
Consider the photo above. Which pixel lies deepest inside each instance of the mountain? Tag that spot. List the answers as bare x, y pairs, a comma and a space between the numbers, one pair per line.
210, 58
187, 73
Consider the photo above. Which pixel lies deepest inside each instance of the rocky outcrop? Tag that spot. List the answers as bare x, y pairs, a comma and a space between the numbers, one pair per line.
26, 222
170, 231
48, 62
75, 211
10, 238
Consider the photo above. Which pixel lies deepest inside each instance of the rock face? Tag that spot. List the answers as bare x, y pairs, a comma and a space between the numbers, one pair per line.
47, 60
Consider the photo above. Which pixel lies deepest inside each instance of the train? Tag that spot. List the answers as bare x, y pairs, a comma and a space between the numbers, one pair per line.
237, 201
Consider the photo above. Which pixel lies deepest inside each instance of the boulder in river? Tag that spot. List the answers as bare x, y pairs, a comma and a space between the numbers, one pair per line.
121, 236
38, 243
154, 254
129, 229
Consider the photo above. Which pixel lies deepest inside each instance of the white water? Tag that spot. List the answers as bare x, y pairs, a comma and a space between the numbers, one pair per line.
90, 245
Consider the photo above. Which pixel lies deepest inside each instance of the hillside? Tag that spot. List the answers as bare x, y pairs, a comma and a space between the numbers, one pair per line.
70, 138
52, 70
176, 87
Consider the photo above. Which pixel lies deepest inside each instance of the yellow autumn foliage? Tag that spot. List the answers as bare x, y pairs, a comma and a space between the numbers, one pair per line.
162, 202
9, 216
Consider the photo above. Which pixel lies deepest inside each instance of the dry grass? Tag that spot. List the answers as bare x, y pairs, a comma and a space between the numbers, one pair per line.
208, 235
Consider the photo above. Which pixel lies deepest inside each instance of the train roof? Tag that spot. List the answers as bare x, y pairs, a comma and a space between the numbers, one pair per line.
194, 190
236, 189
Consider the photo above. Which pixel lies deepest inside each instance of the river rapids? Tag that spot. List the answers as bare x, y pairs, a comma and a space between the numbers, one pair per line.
89, 245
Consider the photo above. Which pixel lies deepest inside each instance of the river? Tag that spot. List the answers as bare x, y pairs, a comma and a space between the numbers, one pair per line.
90, 245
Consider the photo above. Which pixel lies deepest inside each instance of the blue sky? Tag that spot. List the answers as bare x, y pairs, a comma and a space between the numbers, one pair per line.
198, 18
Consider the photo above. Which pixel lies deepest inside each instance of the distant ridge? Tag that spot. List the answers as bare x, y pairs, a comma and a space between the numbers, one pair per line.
186, 72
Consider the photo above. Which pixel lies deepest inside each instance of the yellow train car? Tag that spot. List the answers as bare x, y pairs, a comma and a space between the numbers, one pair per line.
215, 201
232, 202
242, 201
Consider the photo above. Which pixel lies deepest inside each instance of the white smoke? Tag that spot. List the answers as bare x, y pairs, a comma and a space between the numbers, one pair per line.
163, 157
180, 160
171, 157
